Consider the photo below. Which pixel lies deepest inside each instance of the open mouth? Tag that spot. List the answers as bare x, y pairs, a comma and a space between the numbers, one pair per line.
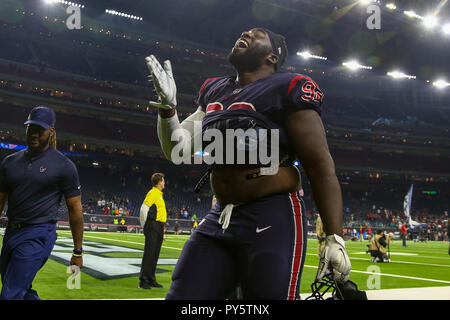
242, 43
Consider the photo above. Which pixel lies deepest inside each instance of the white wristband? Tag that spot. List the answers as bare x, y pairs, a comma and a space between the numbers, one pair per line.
167, 126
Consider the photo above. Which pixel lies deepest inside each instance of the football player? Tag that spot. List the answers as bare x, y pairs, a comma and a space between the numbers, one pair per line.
255, 235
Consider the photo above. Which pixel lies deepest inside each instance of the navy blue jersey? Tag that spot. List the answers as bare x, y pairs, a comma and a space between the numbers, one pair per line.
35, 185
263, 103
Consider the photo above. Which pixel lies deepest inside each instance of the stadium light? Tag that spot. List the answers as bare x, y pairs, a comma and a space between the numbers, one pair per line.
391, 6
366, 2
354, 65
122, 14
446, 29
430, 21
400, 75
307, 55
412, 14
69, 3
441, 84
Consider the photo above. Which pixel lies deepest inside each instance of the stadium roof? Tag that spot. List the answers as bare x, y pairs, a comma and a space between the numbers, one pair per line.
335, 29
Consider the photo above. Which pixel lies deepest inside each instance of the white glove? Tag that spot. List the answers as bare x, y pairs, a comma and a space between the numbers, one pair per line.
334, 258
164, 83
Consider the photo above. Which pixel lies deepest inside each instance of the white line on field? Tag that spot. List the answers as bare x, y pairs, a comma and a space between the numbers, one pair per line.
408, 262
390, 275
125, 241
395, 261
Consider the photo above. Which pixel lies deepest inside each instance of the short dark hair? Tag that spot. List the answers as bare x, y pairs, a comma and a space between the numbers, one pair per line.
157, 178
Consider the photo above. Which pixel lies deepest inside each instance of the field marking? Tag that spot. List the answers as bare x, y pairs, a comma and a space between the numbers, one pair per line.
430, 257
391, 275
126, 241
127, 234
423, 293
392, 253
416, 255
419, 255
179, 249
405, 262
408, 262
308, 266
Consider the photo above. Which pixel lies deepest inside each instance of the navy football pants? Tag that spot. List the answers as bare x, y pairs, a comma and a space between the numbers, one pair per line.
262, 251
24, 252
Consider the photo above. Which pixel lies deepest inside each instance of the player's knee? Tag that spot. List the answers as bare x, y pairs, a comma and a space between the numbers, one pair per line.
269, 276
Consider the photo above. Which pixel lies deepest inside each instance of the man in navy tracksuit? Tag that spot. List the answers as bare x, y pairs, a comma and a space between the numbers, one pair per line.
33, 182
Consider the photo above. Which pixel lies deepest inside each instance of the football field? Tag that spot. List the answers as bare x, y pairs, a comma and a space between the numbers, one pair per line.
112, 265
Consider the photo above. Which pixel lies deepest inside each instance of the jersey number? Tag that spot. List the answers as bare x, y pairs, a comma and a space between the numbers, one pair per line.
312, 92
217, 106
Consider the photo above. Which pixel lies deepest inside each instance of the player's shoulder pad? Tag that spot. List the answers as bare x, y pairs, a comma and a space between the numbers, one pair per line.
293, 79
302, 88
208, 83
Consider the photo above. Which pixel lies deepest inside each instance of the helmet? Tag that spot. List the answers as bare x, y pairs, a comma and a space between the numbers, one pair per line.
346, 291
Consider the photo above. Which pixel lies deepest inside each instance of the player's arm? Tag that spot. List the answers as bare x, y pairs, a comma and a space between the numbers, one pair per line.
168, 125
71, 188
76, 226
172, 133
310, 145
307, 135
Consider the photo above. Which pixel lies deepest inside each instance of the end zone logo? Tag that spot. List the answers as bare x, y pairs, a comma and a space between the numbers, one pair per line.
98, 261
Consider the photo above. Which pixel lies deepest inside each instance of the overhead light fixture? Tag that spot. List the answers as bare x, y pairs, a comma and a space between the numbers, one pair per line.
430, 21
391, 6
122, 14
412, 14
354, 65
400, 75
446, 29
307, 55
69, 3
441, 84
366, 2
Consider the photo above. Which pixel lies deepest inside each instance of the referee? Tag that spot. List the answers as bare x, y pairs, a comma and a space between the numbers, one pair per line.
153, 216
33, 182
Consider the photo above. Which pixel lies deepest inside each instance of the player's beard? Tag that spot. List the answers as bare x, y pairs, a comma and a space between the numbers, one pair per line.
249, 60
42, 145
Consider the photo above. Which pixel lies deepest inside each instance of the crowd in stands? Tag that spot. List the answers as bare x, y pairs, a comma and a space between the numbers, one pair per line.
371, 206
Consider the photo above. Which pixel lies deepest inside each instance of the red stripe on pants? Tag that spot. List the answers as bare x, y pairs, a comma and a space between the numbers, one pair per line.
298, 245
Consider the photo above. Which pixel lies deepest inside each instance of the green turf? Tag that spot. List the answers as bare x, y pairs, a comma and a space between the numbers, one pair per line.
418, 265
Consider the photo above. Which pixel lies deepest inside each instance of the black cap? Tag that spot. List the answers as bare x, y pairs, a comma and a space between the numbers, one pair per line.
279, 47
42, 116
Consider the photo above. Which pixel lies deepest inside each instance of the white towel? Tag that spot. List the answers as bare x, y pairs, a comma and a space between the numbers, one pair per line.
225, 216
